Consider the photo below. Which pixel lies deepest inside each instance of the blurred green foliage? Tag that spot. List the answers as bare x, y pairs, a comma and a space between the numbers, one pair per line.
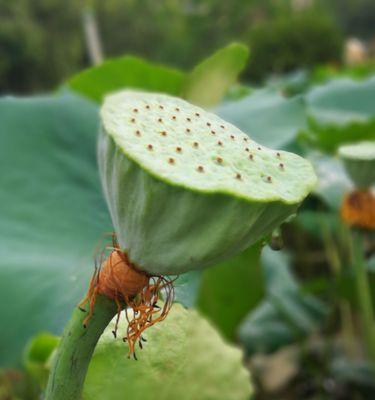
42, 41
290, 42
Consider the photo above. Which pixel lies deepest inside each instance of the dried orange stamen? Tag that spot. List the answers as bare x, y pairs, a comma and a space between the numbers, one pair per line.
118, 279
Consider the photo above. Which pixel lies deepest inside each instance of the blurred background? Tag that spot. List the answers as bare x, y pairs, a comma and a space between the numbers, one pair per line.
42, 42
299, 305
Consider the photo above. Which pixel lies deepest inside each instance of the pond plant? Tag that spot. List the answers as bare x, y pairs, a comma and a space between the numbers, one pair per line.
185, 190
358, 208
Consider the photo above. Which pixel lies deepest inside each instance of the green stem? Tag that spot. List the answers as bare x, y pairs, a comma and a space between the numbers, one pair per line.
364, 295
75, 350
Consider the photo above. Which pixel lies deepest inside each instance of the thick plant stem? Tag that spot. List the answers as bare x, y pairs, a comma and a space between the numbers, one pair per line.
74, 353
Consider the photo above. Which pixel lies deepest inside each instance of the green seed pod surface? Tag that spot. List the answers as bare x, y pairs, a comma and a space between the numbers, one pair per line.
185, 188
184, 358
359, 161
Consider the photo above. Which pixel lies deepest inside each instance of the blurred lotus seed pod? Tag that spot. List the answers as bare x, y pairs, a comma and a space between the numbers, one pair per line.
359, 161
185, 188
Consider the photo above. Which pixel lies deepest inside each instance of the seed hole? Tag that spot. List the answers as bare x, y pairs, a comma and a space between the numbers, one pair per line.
174, 117
269, 178
232, 137
238, 176
187, 130
247, 149
163, 133
197, 114
160, 120
132, 120
219, 160
138, 133
177, 109
208, 124
251, 157
213, 132
188, 119
148, 107
150, 147
195, 144
135, 110
161, 107
171, 160
178, 149
281, 165
220, 143
222, 126
200, 168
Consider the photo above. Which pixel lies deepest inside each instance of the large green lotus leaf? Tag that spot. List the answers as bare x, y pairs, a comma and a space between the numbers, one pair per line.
267, 117
184, 358
231, 289
53, 213
286, 314
341, 111
126, 72
208, 82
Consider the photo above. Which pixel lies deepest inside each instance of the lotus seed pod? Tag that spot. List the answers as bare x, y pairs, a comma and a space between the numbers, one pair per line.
185, 188
359, 161
184, 358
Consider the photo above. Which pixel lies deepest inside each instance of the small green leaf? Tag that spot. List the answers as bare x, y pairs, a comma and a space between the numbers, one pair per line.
208, 82
231, 289
126, 72
184, 358
267, 117
36, 355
